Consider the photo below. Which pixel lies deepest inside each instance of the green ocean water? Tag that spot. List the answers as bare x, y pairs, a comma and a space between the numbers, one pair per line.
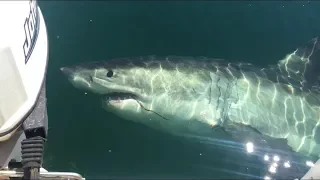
86, 139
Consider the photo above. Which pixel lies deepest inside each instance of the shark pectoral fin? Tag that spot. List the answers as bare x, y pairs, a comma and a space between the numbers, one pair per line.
306, 145
245, 133
294, 142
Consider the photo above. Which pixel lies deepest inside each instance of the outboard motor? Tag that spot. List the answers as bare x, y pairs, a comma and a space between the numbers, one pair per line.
23, 112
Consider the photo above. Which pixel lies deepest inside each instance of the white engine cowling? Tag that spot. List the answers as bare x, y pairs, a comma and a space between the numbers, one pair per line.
23, 61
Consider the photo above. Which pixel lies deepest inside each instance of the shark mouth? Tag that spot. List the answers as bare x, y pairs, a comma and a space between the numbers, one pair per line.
120, 96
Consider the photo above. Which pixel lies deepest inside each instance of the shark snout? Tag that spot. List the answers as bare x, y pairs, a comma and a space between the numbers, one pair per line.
67, 71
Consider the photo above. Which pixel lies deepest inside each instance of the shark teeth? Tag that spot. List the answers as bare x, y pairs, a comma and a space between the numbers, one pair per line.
119, 96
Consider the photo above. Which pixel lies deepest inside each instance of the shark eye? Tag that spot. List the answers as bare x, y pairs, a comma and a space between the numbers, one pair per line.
110, 73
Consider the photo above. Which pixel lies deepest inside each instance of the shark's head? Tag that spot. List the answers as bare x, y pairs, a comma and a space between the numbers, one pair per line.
120, 82
147, 90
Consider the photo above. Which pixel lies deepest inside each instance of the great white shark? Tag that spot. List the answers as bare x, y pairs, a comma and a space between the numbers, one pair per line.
192, 95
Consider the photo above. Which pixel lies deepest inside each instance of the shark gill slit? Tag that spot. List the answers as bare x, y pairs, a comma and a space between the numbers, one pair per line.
219, 93
210, 90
